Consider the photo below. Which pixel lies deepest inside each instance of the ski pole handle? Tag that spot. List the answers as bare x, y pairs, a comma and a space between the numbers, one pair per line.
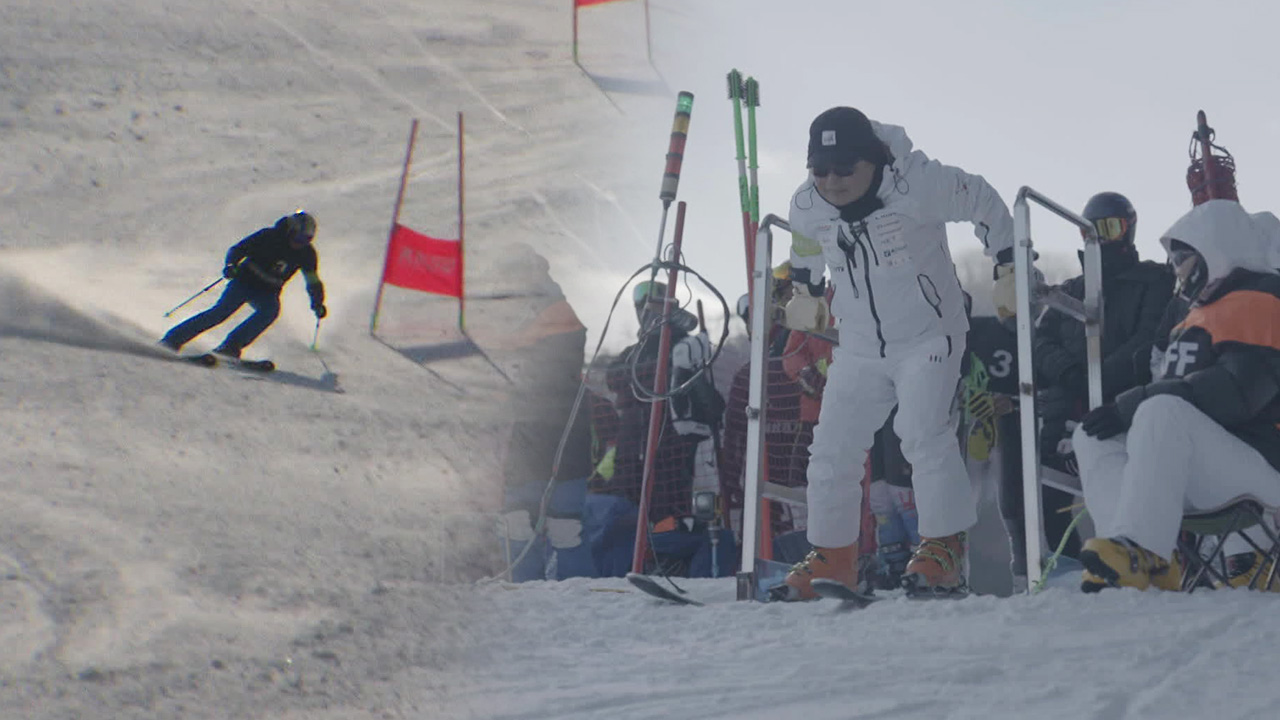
184, 303
675, 151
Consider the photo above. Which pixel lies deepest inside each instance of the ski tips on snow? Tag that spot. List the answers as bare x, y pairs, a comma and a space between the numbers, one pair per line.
655, 589
254, 365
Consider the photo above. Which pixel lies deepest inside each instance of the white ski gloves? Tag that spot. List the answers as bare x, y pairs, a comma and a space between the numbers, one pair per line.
516, 526
1005, 294
564, 533
806, 312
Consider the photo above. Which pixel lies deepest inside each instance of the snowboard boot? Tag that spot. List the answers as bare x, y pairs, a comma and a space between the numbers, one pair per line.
1253, 571
1121, 562
840, 564
937, 567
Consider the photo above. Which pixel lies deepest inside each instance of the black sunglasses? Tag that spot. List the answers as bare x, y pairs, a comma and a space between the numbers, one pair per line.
821, 170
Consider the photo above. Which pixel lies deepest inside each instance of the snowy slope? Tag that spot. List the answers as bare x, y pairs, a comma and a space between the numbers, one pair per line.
181, 542
583, 654
178, 542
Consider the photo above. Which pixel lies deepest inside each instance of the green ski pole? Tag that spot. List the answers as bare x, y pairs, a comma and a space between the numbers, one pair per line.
744, 194
752, 100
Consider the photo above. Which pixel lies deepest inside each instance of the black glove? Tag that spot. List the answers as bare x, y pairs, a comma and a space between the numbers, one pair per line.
319, 309
229, 271
1103, 422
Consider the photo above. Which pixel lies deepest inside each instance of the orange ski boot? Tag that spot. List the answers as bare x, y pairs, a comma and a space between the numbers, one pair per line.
839, 564
937, 568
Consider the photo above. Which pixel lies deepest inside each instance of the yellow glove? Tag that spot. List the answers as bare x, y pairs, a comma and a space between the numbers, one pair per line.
807, 313
1005, 294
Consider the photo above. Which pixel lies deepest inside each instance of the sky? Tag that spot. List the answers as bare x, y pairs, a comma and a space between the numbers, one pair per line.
1070, 99
178, 542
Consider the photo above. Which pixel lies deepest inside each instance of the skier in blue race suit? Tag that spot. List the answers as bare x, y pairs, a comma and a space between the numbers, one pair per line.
258, 268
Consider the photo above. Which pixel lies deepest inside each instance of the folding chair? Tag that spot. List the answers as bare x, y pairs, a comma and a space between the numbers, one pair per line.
1203, 542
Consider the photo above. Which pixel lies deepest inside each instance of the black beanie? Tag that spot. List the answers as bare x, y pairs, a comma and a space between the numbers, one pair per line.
843, 135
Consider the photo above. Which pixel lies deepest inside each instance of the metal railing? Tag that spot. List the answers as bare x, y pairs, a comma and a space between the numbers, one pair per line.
1033, 293
754, 484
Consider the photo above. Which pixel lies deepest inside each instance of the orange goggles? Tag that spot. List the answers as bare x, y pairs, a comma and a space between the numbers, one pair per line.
1110, 229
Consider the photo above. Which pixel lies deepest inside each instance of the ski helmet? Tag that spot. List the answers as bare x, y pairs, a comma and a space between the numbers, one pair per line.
299, 227
1112, 216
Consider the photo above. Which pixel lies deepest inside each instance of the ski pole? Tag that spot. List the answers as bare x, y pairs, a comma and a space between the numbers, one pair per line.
206, 289
315, 338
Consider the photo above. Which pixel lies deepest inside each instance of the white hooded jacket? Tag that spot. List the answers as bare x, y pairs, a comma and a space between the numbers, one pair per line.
896, 284
1226, 236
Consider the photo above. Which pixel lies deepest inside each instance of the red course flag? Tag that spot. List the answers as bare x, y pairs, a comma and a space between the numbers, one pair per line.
418, 262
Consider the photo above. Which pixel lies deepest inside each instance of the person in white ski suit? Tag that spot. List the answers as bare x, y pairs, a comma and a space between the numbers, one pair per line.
1207, 430
873, 213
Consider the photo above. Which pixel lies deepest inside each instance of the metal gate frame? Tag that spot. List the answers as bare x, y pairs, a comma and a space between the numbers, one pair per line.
1033, 294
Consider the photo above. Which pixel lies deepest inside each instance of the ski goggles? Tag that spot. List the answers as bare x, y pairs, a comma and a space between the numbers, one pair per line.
821, 169
1110, 229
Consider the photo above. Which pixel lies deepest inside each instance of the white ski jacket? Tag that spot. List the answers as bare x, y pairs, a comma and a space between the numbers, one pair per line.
895, 283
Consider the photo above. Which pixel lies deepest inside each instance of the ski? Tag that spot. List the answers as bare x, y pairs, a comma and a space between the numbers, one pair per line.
204, 359
213, 360
654, 589
849, 599
262, 366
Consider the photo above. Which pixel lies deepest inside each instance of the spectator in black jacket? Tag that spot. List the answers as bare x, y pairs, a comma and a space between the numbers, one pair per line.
1135, 293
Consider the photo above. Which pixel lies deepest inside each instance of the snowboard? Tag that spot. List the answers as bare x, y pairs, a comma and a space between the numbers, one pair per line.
655, 589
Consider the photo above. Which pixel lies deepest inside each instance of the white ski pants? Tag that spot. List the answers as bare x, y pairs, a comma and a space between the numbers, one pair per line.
861, 392
1174, 459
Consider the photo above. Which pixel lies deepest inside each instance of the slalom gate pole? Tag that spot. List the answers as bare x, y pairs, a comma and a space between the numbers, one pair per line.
736, 92
203, 290
462, 225
657, 410
575, 33
395, 219
751, 96
667, 194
